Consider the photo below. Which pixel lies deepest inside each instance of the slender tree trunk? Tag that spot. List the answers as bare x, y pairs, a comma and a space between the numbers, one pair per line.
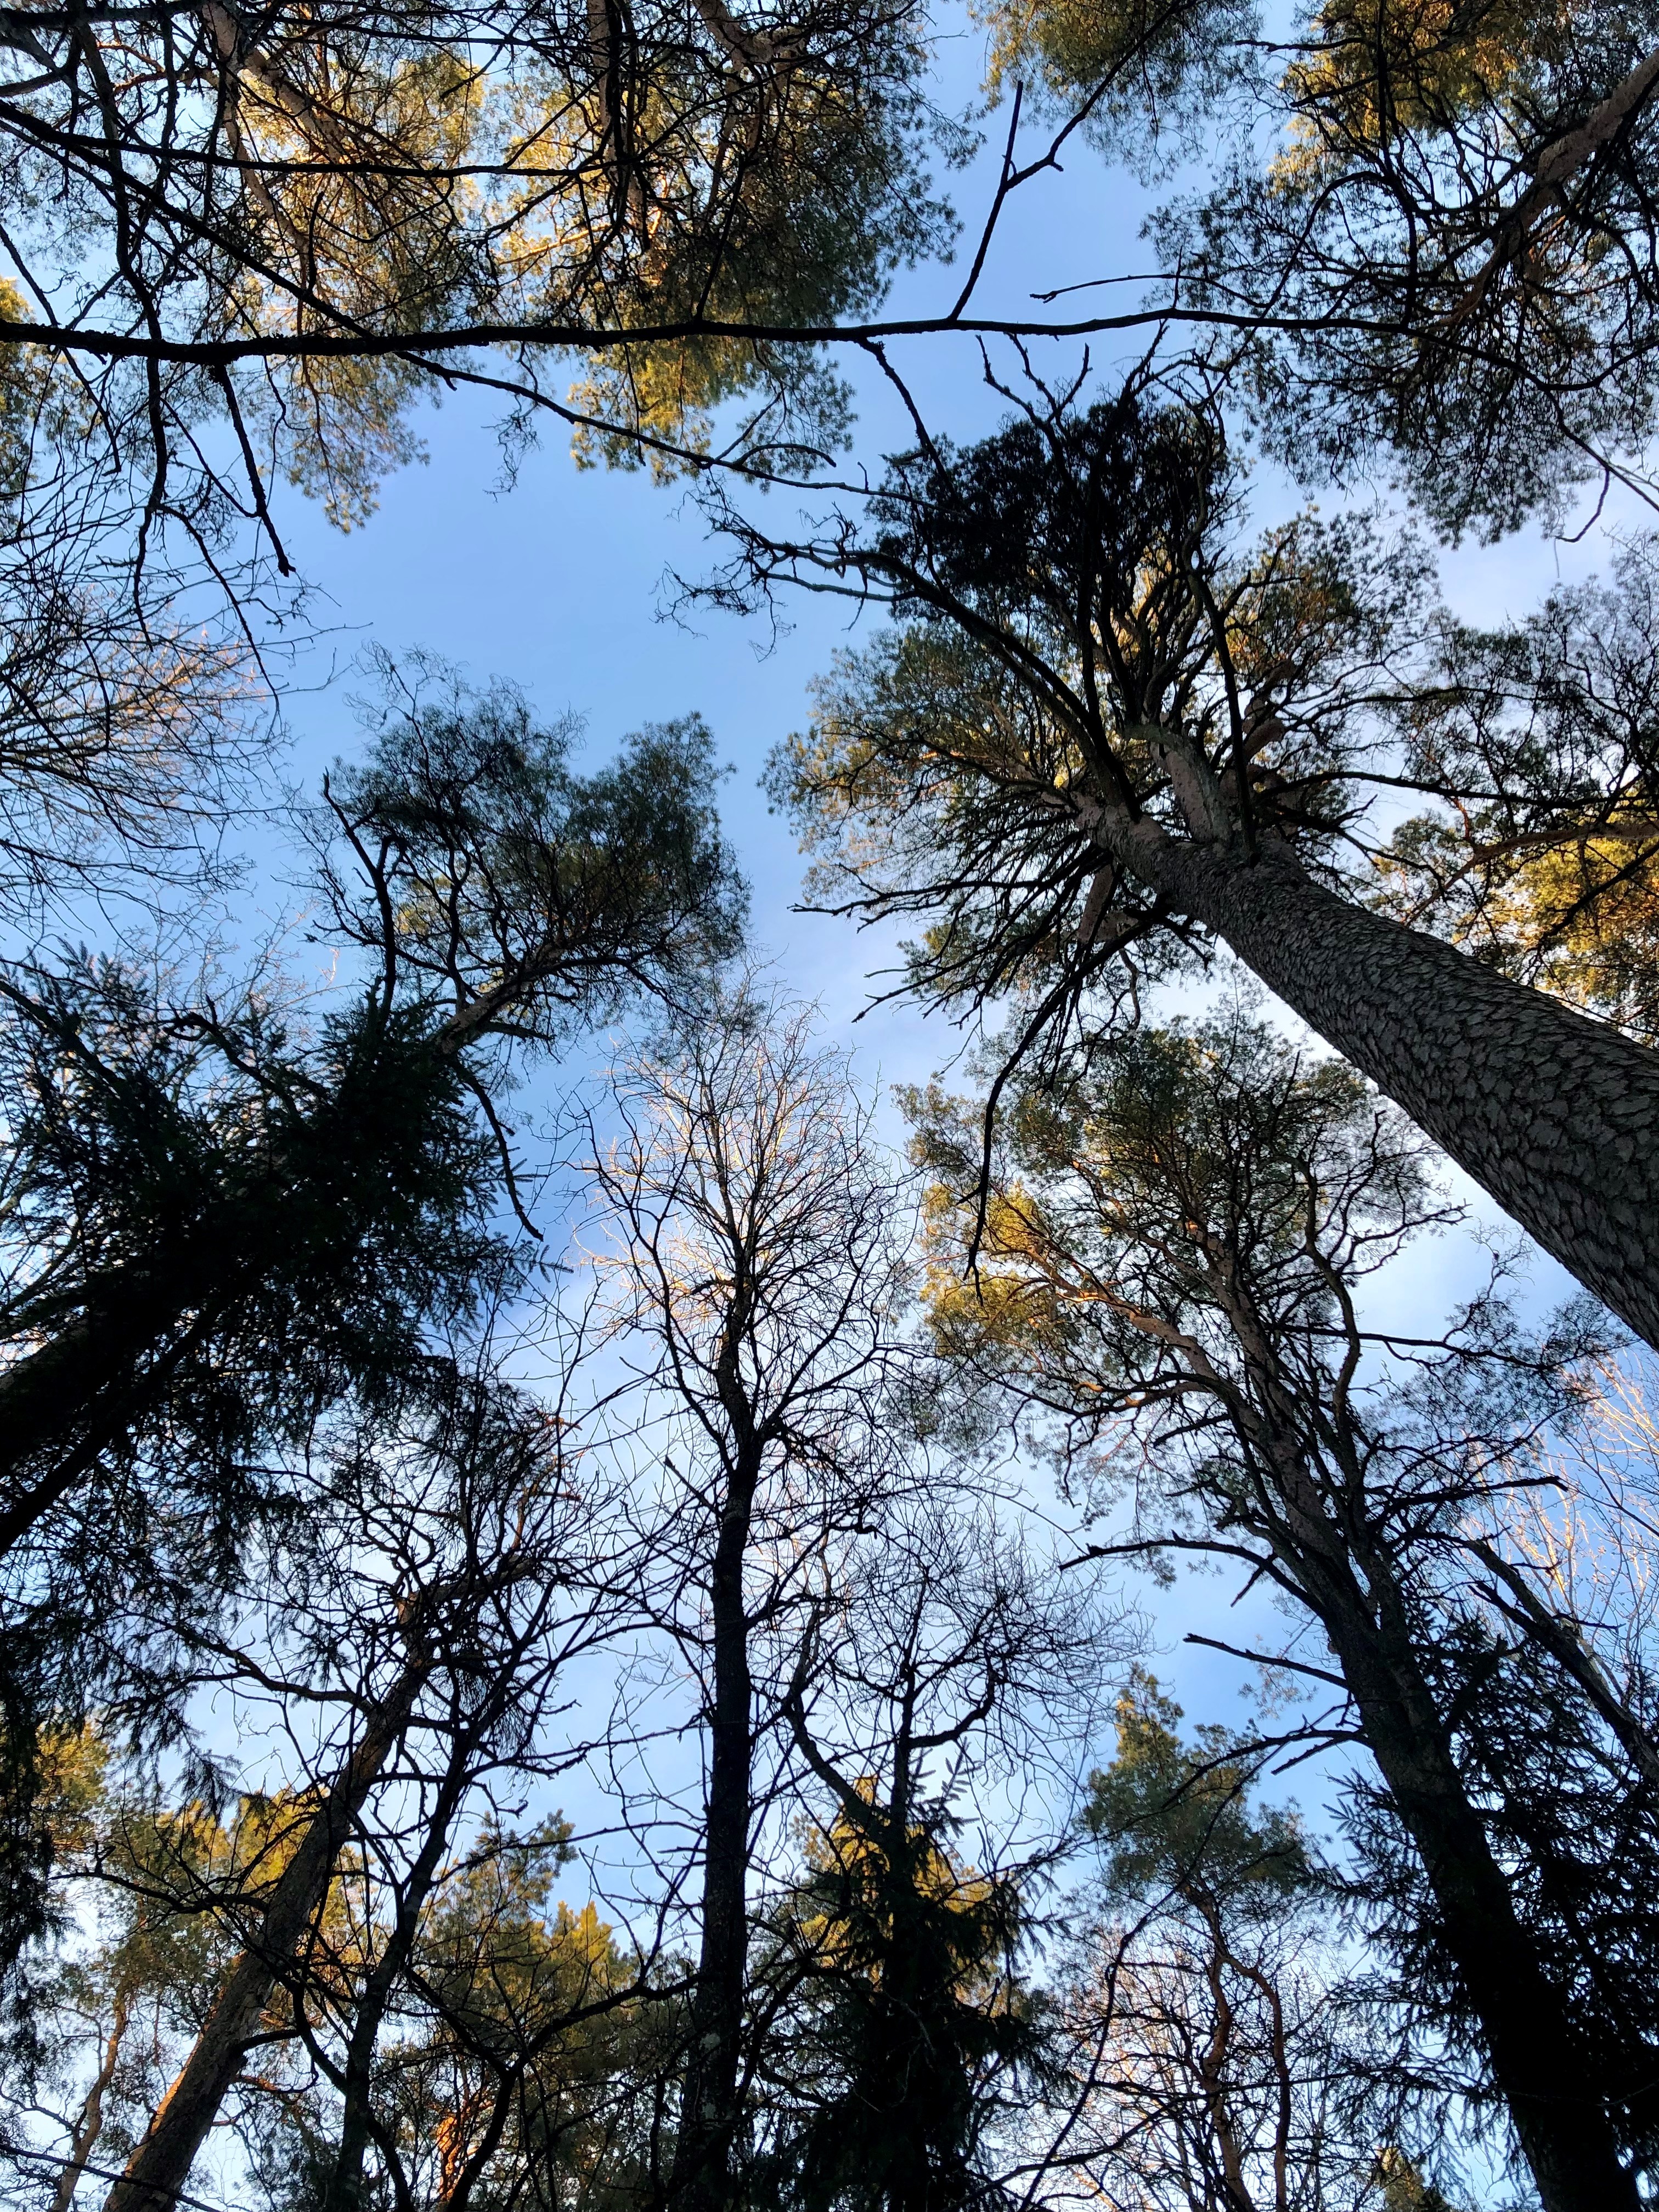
1556, 1115
1564, 1641
708, 2114
345, 2188
90, 2125
1211, 2066
1350, 1581
1538, 2067
160, 2168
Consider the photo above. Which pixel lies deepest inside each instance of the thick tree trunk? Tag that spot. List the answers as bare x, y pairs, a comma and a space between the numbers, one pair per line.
1540, 2070
709, 2104
47, 1396
160, 2168
1556, 1115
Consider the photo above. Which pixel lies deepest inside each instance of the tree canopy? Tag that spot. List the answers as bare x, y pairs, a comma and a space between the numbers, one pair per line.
579, 1637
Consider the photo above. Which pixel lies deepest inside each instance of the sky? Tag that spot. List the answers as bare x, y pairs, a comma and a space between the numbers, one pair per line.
561, 584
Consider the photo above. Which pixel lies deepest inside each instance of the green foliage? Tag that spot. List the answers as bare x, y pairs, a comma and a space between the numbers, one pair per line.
520, 2056
51, 1786
1403, 2188
253, 1220
1205, 2022
259, 1223
1150, 72
354, 176
827, 199
345, 1174
1158, 1180
520, 892
1535, 745
1174, 1820
155, 1895
1442, 215
1010, 524
220, 1221
1167, 1287
913, 2024
1495, 330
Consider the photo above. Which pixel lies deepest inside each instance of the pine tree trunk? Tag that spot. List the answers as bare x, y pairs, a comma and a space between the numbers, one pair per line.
160, 2168
91, 2124
1557, 1117
1537, 2065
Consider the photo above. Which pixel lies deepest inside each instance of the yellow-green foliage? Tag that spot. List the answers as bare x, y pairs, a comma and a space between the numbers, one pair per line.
845, 1913
1376, 67
1149, 54
1577, 914
1585, 916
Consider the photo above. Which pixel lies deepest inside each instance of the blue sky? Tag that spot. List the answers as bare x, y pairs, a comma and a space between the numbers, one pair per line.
559, 584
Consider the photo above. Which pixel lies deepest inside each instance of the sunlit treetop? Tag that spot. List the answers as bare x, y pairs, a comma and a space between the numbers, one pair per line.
1427, 231
1175, 1820
281, 218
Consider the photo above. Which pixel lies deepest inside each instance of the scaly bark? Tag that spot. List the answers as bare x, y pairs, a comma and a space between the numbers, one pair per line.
1557, 1117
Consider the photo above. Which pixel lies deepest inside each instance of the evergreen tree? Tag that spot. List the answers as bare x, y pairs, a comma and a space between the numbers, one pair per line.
1106, 735
1173, 1255
1212, 2060
911, 2011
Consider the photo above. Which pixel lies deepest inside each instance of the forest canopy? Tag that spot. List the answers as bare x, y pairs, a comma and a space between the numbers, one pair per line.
598, 1612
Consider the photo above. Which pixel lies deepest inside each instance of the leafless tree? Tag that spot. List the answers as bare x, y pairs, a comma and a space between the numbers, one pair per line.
759, 1265
942, 1702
